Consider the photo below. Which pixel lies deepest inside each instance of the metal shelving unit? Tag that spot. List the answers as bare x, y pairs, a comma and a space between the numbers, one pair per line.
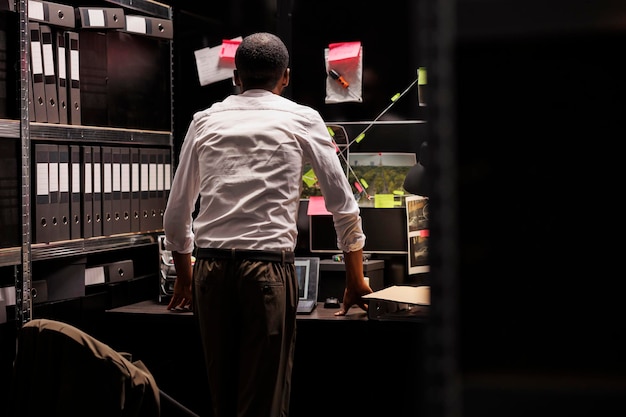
26, 131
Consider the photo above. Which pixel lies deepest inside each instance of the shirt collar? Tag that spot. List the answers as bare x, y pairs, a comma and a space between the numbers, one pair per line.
257, 92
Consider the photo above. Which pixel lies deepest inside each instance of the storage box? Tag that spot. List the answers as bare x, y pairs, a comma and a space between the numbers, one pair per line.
39, 291
63, 279
333, 277
119, 271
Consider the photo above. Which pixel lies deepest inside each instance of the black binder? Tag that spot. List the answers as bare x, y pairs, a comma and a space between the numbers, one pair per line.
116, 190
154, 202
135, 190
63, 209
149, 26
87, 192
107, 191
125, 178
62, 71
31, 99
73, 65
50, 79
42, 220
160, 197
53, 191
75, 192
37, 74
96, 157
100, 17
144, 196
55, 14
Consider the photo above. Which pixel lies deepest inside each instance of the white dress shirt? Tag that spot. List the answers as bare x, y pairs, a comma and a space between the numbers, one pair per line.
244, 157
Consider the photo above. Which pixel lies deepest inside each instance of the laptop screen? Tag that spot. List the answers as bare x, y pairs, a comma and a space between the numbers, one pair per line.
307, 271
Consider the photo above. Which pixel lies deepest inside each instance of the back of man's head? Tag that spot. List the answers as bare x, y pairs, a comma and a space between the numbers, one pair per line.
261, 60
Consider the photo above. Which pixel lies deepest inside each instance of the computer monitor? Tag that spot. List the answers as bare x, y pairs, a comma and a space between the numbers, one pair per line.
385, 230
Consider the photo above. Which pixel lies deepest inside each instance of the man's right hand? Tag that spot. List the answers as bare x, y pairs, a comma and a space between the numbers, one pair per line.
352, 297
182, 297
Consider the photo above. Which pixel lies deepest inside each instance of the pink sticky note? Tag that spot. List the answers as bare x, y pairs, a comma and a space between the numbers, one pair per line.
316, 206
229, 47
424, 233
343, 50
358, 187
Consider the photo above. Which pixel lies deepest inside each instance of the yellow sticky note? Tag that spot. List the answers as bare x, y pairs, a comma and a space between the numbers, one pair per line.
421, 76
309, 178
383, 200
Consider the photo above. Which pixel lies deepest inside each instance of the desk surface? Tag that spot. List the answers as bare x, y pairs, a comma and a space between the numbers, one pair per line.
385, 357
320, 313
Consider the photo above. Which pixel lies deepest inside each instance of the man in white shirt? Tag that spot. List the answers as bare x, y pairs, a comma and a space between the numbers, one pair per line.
244, 157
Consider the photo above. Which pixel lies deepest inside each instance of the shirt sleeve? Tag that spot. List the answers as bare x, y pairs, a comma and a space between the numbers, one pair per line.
177, 219
338, 196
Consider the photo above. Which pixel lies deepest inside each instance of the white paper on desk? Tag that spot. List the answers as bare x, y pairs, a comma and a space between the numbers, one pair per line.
210, 67
403, 294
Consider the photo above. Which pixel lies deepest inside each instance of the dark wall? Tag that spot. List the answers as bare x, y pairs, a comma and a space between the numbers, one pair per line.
526, 218
391, 54
540, 114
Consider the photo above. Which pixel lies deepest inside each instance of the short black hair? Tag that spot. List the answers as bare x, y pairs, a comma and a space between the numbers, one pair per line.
261, 60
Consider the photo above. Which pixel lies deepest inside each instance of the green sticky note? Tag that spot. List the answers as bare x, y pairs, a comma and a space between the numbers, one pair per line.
359, 138
397, 96
331, 131
383, 201
421, 76
364, 183
309, 178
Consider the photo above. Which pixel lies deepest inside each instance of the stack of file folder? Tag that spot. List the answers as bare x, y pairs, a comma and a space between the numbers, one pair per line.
85, 191
51, 27
98, 66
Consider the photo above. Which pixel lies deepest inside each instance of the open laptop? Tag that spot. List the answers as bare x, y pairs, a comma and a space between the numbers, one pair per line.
308, 272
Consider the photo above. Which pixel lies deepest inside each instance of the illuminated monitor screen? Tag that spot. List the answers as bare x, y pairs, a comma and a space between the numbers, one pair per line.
385, 230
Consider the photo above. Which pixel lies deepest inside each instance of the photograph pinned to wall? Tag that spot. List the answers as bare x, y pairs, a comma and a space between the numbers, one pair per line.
379, 174
417, 232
